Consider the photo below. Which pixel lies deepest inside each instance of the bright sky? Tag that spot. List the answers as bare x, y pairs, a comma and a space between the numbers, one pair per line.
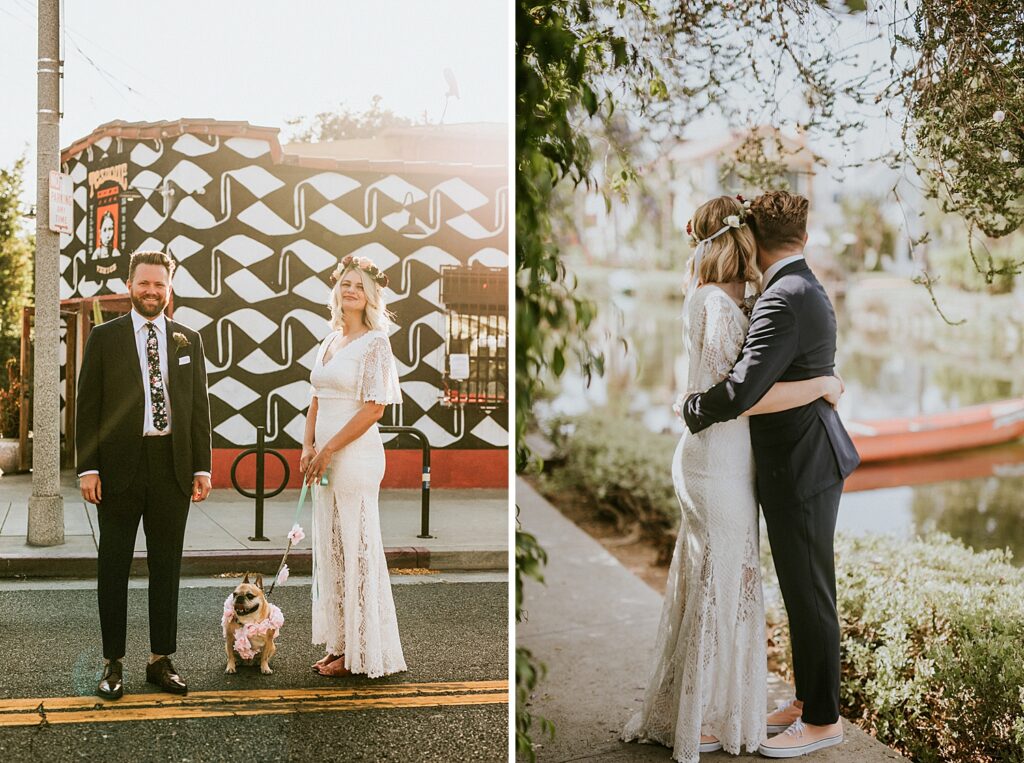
258, 61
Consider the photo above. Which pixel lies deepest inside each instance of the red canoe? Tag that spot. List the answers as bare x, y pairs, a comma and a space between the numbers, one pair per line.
987, 424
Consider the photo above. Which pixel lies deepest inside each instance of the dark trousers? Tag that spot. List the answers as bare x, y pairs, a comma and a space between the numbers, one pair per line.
155, 497
802, 541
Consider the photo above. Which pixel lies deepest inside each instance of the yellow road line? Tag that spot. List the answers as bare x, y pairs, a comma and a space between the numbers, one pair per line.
253, 695
239, 703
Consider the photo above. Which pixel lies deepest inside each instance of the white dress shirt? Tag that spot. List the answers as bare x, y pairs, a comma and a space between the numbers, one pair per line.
140, 324
141, 337
769, 274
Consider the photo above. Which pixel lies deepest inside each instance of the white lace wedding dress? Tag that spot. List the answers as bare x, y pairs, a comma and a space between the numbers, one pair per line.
710, 674
353, 610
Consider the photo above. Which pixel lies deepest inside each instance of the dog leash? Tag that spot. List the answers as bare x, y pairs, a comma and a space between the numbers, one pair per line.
295, 521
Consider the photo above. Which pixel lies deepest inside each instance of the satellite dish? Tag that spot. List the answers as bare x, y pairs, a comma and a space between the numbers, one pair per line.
453, 85
453, 90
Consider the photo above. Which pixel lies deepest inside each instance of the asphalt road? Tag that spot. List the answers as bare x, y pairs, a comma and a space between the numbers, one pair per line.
451, 705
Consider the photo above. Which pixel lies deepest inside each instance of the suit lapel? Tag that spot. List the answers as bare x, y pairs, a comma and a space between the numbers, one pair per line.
173, 369
132, 351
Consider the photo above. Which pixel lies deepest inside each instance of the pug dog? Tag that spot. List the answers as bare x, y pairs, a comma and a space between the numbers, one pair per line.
250, 625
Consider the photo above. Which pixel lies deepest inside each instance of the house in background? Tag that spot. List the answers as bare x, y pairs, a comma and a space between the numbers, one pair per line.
257, 227
647, 228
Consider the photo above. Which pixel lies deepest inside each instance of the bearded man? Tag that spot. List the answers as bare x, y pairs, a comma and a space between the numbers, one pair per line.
144, 451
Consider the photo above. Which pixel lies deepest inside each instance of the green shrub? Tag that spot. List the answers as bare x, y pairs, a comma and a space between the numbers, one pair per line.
10, 398
932, 646
623, 468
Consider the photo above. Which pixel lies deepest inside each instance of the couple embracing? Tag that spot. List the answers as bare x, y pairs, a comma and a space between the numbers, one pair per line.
144, 454
762, 429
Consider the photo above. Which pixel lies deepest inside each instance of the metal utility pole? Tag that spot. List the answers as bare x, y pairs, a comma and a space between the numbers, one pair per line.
46, 506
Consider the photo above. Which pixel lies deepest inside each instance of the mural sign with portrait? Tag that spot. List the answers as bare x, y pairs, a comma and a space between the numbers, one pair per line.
107, 225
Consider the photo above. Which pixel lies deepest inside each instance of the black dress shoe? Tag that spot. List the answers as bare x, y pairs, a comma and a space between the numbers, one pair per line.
111, 686
162, 674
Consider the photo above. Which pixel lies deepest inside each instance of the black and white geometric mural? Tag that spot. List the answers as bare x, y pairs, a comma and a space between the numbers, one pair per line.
255, 238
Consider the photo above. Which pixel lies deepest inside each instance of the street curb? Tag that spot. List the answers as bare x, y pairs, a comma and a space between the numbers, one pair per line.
300, 562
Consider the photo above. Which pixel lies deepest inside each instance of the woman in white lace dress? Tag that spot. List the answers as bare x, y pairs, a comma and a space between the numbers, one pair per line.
354, 377
707, 690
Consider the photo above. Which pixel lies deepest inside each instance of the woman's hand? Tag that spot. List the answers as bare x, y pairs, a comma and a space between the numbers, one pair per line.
317, 466
834, 388
308, 454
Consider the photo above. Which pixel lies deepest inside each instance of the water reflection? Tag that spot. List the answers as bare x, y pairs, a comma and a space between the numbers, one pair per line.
974, 496
977, 496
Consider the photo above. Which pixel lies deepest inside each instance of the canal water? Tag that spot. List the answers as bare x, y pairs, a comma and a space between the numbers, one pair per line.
976, 496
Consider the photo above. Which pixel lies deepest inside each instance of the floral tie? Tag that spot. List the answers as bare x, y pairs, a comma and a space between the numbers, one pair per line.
156, 382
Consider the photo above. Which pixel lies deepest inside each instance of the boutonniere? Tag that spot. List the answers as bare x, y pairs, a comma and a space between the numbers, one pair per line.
180, 339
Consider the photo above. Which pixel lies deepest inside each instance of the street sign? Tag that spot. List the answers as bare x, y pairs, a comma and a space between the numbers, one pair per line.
61, 203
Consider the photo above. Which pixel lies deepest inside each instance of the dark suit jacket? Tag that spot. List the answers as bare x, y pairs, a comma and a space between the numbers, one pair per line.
111, 405
792, 336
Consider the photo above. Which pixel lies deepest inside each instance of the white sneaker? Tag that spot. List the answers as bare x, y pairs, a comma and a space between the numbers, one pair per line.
799, 740
785, 714
710, 746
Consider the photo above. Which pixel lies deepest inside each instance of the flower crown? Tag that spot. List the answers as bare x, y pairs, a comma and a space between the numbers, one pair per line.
348, 262
732, 221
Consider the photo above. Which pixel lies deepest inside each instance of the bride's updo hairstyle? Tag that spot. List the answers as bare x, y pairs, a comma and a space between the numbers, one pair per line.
376, 316
732, 256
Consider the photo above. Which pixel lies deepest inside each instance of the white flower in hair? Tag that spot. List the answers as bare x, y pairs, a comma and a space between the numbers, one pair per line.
733, 221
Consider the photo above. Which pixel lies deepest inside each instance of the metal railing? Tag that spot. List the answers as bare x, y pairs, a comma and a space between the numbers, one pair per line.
425, 490
260, 495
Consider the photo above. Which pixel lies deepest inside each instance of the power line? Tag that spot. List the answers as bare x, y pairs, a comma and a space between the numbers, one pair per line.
110, 79
18, 18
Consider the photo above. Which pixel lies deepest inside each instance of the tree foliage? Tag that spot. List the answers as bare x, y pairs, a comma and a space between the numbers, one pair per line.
16, 248
960, 83
347, 123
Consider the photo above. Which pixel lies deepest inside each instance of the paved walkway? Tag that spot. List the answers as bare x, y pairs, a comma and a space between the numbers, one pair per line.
470, 529
594, 624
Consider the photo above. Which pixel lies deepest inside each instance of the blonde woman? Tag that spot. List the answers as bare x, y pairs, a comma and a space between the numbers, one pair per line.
707, 690
354, 377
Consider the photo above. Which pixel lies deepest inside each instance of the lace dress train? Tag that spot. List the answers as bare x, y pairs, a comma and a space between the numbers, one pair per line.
710, 674
353, 608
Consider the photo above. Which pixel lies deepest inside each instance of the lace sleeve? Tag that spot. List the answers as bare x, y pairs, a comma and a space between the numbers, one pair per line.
723, 336
378, 374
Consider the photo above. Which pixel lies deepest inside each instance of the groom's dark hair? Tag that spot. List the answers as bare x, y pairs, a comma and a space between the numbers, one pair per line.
779, 220
150, 258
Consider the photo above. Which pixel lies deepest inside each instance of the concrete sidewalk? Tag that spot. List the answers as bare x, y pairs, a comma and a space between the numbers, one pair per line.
594, 626
469, 529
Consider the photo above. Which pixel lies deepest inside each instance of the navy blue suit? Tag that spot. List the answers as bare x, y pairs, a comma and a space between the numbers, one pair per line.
802, 457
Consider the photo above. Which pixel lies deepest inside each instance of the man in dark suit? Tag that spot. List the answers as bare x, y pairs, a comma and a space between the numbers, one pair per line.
802, 457
143, 441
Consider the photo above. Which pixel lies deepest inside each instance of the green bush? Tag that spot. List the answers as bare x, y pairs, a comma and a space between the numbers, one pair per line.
10, 398
623, 468
932, 646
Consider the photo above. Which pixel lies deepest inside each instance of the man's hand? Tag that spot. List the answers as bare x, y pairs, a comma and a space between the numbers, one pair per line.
677, 406
200, 488
90, 486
